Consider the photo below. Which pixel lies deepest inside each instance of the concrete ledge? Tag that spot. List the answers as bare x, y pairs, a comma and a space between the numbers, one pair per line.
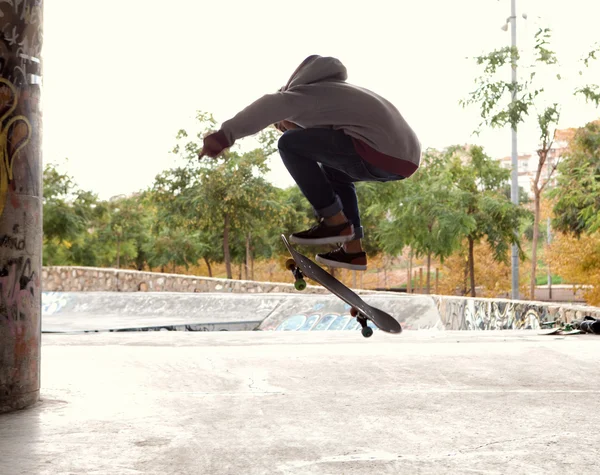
96, 279
157, 295
68, 312
467, 313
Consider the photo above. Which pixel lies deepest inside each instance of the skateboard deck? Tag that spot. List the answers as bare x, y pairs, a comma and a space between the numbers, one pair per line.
301, 266
560, 329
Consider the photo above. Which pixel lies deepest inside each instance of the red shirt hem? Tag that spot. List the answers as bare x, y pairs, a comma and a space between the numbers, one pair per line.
388, 163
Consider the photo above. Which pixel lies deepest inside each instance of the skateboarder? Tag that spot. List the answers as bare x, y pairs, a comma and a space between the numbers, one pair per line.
334, 135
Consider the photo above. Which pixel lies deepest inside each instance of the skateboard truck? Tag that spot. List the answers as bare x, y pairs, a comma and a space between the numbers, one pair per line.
366, 330
299, 283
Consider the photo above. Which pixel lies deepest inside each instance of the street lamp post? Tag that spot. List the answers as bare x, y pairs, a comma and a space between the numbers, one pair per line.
514, 187
514, 192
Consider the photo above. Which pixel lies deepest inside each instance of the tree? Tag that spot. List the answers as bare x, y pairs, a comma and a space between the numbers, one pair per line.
506, 103
227, 193
479, 204
126, 229
418, 213
493, 276
577, 191
67, 213
577, 260
179, 235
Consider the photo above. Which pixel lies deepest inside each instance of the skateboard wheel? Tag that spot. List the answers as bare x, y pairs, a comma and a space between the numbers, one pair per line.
367, 332
300, 284
290, 264
353, 312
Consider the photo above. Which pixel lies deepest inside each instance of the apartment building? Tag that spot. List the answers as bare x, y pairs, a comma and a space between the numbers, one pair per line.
528, 163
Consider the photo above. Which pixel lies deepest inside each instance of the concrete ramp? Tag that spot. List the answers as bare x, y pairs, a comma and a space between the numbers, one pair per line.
67, 312
327, 312
75, 312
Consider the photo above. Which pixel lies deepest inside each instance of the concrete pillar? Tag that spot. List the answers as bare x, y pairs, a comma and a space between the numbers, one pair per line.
20, 203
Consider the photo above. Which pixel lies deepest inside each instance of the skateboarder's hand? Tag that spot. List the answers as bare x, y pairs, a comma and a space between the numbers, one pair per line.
214, 144
285, 125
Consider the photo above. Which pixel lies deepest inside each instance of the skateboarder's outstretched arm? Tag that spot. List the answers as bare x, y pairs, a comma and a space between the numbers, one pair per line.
268, 110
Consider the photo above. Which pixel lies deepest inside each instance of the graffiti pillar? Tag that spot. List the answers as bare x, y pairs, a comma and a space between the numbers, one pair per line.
20, 202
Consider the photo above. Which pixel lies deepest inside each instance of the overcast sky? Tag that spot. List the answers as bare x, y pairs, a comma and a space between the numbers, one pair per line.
122, 76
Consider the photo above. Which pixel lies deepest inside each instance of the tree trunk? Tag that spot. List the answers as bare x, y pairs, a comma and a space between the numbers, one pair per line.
385, 266
118, 253
465, 288
537, 195
240, 273
409, 282
549, 283
472, 266
428, 284
534, 241
208, 266
248, 257
226, 254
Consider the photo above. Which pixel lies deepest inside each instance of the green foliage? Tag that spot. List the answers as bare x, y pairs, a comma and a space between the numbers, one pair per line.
68, 211
504, 102
542, 41
225, 199
457, 194
509, 103
479, 202
547, 121
66, 208
524, 198
417, 212
577, 191
591, 92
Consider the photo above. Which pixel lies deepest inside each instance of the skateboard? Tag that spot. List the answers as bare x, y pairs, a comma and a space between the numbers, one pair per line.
301, 266
561, 329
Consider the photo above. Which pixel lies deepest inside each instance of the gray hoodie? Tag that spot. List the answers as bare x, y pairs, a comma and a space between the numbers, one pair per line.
318, 96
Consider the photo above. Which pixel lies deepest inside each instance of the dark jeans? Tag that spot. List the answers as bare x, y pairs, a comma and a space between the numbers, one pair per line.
325, 165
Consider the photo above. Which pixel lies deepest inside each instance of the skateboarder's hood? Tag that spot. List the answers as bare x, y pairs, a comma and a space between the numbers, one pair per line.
317, 68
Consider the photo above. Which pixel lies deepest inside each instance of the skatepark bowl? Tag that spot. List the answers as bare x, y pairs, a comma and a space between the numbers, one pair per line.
279, 384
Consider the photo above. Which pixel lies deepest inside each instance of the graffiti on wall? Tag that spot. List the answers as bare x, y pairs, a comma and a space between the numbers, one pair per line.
21, 33
15, 133
53, 302
473, 314
20, 80
320, 322
19, 291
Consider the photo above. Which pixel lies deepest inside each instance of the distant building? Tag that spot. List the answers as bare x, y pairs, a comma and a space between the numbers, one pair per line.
527, 164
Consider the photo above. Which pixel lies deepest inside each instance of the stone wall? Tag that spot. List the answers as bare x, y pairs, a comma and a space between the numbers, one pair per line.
466, 313
455, 313
93, 279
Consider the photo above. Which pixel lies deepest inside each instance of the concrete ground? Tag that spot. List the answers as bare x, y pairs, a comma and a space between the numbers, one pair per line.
310, 402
